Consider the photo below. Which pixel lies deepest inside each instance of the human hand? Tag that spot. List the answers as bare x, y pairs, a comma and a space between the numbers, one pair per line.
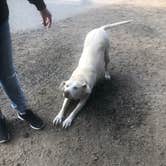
47, 18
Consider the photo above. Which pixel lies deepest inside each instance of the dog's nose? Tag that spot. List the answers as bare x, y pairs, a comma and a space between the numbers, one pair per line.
66, 94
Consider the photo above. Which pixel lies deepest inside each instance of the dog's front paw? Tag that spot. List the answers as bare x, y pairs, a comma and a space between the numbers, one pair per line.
67, 122
58, 119
107, 76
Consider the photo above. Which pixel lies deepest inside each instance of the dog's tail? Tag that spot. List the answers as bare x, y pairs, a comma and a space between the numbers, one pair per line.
108, 26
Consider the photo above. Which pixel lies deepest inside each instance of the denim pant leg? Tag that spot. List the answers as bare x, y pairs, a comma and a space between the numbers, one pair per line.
8, 76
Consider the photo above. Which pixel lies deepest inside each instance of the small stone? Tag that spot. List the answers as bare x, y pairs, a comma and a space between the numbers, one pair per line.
4, 162
26, 135
132, 127
18, 164
95, 157
162, 154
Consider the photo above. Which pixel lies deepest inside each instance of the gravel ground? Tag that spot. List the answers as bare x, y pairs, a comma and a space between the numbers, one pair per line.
124, 122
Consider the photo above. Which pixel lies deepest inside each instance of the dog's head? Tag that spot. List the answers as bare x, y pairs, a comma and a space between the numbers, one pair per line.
75, 89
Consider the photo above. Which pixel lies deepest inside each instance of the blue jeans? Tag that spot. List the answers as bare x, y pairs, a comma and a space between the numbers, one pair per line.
8, 77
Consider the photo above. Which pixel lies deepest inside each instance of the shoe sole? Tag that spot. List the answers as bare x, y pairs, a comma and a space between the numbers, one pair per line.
35, 128
5, 140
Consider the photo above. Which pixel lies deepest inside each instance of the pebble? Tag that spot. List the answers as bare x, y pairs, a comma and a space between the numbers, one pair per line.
26, 135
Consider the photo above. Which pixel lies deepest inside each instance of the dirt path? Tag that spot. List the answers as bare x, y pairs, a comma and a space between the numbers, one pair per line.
124, 122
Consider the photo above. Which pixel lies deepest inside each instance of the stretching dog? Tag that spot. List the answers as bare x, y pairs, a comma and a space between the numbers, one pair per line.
92, 67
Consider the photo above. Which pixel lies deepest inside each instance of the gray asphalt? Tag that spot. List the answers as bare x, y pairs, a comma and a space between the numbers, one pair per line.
124, 122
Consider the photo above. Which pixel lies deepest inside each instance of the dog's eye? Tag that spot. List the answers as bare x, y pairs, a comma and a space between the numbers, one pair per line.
75, 88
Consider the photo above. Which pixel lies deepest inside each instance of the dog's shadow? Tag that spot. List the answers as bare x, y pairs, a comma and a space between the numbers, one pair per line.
117, 104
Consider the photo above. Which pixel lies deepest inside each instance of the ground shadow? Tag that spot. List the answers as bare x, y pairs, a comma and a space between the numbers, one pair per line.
118, 104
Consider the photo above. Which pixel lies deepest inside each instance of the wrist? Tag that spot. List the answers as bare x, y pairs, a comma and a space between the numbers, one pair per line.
41, 6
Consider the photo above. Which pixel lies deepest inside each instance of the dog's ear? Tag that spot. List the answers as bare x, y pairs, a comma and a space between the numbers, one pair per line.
87, 88
61, 86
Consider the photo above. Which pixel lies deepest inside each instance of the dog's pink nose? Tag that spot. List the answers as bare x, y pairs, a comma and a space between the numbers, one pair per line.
66, 94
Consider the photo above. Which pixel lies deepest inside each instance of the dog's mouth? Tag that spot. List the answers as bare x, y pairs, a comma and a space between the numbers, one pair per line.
67, 95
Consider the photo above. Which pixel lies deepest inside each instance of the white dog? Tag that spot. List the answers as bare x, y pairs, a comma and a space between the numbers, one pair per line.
92, 67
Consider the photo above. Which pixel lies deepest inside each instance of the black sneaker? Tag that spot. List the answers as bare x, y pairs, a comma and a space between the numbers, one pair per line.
4, 134
34, 121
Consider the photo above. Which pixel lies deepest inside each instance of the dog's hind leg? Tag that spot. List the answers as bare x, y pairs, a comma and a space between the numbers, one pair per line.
58, 119
107, 60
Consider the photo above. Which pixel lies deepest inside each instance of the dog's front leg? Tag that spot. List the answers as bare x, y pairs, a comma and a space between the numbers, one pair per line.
58, 119
72, 115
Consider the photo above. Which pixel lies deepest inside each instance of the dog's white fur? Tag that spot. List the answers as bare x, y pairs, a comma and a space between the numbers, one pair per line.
92, 66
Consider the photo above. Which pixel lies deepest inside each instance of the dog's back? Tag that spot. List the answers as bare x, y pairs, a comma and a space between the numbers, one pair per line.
94, 47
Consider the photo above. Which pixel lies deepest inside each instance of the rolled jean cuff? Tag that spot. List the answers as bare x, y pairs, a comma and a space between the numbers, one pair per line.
21, 108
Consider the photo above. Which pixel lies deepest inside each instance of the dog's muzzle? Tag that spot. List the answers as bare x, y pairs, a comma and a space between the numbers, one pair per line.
67, 94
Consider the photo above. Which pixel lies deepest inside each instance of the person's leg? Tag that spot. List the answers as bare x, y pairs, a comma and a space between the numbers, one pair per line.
10, 83
8, 75
4, 133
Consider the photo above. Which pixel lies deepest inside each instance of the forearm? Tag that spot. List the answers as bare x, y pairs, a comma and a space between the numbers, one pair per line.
40, 5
